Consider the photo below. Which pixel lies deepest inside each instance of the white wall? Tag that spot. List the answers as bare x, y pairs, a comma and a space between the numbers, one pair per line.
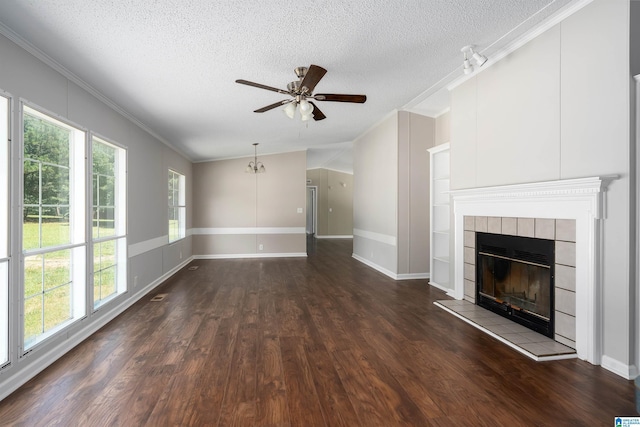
151, 259
522, 94
635, 37
596, 141
558, 108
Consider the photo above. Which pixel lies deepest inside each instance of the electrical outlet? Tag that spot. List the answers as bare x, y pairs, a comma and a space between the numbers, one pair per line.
260, 247
135, 281
180, 254
299, 210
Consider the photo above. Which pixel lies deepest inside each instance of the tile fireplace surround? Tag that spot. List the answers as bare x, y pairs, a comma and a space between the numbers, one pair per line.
563, 205
562, 231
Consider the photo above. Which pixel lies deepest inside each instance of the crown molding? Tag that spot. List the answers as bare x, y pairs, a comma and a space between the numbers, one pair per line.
52, 63
550, 22
455, 78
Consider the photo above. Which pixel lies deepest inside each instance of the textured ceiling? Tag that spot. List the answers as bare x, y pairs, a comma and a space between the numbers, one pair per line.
172, 64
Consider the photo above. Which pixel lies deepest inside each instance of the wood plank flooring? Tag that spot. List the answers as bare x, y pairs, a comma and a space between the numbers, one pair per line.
322, 341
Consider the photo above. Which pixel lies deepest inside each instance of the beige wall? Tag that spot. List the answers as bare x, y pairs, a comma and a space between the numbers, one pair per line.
375, 195
151, 259
416, 134
391, 194
340, 198
558, 108
319, 178
443, 128
236, 212
335, 201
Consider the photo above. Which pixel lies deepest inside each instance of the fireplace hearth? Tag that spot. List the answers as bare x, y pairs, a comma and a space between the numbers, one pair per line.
515, 279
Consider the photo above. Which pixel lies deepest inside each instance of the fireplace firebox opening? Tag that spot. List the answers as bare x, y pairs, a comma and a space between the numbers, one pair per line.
515, 278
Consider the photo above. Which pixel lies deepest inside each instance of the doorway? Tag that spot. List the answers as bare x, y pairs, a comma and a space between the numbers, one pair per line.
312, 210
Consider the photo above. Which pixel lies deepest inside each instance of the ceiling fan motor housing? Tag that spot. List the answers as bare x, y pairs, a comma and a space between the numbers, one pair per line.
300, 72
294, 87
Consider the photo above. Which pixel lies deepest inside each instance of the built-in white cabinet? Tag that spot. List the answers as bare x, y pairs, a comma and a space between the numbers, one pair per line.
440, 212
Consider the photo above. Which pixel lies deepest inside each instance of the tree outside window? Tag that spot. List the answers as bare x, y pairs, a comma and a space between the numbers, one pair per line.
108, 217
53, 234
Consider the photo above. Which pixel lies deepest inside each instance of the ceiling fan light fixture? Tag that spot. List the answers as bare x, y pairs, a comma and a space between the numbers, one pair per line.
290, 109
305, 107
301, 91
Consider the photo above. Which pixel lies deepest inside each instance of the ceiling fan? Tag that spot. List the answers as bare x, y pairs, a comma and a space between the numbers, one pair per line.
301, 91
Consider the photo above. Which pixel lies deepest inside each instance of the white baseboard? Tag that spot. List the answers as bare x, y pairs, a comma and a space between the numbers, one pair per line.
389, 273
628, 372
33, 364
334, 237
443, 288
375, 266
241, 256
412, 276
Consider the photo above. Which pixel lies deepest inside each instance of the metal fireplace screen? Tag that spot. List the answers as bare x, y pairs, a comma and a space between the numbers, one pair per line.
515, 279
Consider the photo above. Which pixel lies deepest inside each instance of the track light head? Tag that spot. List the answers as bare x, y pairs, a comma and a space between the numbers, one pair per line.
477, 57
480, 59
466, 65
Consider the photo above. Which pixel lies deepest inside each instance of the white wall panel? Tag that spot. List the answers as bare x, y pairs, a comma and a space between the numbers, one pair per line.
464, 135
518, 121
596, 141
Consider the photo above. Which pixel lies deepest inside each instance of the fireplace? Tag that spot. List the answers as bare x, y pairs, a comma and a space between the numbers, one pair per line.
572, 204
515, 278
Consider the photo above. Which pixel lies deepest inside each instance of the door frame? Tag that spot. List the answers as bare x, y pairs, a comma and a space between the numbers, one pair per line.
314, 210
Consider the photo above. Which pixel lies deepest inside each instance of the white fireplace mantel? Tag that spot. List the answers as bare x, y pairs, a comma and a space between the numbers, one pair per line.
582, 200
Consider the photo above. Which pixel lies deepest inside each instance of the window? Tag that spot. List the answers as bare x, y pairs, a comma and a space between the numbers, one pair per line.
53, 225
109, 221
177, 206
4, 230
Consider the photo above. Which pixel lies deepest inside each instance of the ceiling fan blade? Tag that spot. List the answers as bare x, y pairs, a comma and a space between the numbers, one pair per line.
317, 114
261, 86
360, 99
271, 106
313, 76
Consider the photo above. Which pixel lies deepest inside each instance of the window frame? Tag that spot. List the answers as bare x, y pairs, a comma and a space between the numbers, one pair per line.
77, 243
180, 206
5, 230
120, 222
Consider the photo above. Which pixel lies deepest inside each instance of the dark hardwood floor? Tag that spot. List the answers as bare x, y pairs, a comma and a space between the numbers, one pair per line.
322, 341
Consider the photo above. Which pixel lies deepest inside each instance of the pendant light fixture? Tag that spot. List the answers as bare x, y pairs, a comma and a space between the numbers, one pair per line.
255, 166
